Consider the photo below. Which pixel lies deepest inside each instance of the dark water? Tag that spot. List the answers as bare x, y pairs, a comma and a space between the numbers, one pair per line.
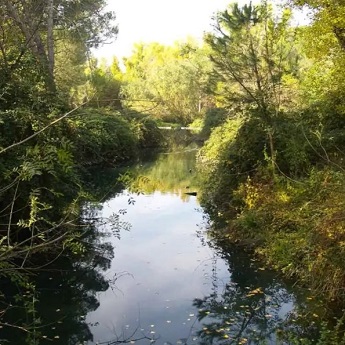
153, 272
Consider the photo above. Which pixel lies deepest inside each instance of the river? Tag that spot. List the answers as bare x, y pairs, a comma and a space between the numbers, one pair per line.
171, 283
159, 275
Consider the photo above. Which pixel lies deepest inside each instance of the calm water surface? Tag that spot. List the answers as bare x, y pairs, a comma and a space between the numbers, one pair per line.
170, 284
152, 272
162, 266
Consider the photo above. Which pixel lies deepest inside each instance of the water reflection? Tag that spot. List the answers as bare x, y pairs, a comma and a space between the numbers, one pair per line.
248, 310
51, 303
167, 267
256, 306
151, 272
182, 286
169, 173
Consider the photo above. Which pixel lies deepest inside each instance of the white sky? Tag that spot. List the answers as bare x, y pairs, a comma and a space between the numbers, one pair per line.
163, 21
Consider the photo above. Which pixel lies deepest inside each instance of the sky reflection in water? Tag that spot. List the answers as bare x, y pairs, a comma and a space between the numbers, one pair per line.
162, 267
167, 268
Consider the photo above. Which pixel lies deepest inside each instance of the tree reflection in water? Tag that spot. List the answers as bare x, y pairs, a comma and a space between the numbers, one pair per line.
254, 308
52, 303
172, 172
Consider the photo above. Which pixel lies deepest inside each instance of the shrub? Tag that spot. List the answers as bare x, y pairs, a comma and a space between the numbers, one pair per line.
102, 138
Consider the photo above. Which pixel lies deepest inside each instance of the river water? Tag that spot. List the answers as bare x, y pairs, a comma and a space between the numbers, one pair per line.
170, 282
153, 271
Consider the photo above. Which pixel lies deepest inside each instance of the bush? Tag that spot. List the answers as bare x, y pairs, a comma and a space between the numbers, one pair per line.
102, 138
234, 151
146, 132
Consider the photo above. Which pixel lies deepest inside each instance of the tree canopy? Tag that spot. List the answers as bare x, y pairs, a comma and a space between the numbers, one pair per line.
170, 83
34, 41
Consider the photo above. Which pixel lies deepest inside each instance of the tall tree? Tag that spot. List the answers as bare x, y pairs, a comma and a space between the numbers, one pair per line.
50, 36
41, 23
251, 53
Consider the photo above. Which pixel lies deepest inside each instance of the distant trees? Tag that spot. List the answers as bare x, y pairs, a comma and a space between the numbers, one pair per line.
167, 82
101, 85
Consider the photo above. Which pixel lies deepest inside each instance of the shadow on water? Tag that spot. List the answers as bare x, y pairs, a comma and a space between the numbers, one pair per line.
50, 304
255, 306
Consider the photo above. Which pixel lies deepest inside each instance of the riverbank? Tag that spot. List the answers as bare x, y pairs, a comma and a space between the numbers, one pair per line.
291, 217
45, 179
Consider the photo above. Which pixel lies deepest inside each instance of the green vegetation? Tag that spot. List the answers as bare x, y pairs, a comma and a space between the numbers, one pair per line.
269, 99
60, 115
169, 83
172, 172
273, 173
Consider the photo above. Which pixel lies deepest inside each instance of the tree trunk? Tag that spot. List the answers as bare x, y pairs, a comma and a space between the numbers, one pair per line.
340, 35
34, 41
272, 152
50, 36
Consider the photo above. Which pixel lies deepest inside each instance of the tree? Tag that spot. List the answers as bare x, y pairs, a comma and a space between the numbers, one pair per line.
330, 14
169, 82
83, 21
102, 85
323, 83
252, 53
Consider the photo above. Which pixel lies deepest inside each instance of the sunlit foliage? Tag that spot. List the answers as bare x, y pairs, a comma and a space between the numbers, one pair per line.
169, 82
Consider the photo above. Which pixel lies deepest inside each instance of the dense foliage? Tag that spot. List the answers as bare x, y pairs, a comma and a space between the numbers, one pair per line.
168, 82
273, 172
60, 115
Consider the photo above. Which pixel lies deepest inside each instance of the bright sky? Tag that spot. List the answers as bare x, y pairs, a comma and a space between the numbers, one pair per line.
163, 21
